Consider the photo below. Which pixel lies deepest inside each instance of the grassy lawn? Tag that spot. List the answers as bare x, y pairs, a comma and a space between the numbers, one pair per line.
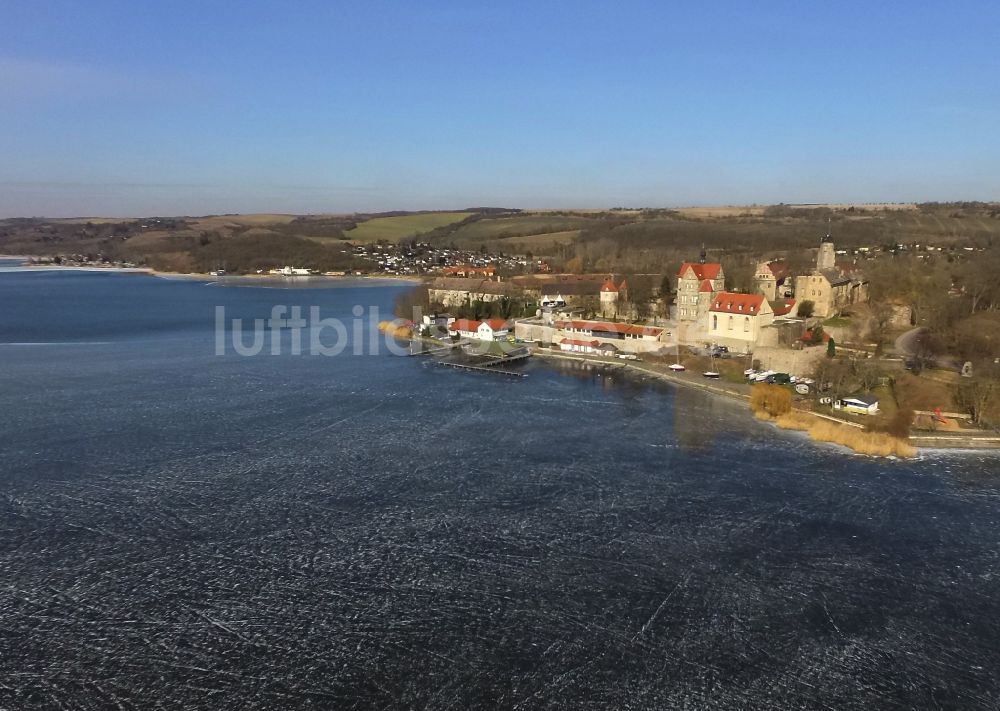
921, 392
837, 322
397, 228
886, 400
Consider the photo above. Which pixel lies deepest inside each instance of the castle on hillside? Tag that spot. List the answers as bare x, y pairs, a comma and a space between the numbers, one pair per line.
832, 286
698, 283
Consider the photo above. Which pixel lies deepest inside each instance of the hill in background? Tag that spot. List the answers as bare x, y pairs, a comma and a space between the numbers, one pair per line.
619, 239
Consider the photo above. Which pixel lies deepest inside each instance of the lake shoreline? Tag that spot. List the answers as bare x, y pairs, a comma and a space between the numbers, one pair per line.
936, 442
199, 276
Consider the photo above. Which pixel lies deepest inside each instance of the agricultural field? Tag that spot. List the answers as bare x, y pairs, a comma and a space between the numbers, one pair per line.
394, 229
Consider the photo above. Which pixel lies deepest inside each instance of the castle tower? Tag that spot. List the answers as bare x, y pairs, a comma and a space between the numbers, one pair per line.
765, 282
609, 299
827, 257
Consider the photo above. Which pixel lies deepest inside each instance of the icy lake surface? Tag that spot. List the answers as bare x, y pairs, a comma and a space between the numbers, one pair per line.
187, 530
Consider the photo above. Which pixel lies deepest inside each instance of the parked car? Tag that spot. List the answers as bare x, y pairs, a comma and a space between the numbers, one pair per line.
779, 379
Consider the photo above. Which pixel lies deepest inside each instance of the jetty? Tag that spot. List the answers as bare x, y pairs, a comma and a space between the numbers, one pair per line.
432, 351
483, 368
490, 363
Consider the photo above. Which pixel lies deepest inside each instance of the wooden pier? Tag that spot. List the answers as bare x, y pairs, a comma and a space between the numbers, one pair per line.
484, 368
482, 362
432, 351
491, 365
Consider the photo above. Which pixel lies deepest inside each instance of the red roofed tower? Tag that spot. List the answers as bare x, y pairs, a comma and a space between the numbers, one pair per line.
697, 283
609, 298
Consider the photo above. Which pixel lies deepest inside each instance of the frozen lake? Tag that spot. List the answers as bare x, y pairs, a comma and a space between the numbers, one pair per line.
186, 529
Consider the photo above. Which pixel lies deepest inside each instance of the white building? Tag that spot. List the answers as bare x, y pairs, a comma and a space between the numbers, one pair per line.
494, 329
737, 319
576, 345
858, 404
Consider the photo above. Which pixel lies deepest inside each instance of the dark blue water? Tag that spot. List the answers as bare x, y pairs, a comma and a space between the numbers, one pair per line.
189, 530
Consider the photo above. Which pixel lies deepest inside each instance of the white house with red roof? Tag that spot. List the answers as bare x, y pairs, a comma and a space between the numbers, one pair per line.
580, 345
630, 338
736, 320
697, 285
494, 329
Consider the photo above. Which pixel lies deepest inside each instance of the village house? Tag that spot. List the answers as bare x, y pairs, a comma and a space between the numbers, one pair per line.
864, 404
494, 329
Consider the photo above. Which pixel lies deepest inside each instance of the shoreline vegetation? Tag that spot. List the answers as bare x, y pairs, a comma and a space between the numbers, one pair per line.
819, 428
396, 329
773, 403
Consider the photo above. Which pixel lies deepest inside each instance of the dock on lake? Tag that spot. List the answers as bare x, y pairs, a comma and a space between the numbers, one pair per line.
473, 358
483, 368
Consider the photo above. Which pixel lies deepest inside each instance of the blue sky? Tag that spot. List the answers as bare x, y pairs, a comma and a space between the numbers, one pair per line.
181, 107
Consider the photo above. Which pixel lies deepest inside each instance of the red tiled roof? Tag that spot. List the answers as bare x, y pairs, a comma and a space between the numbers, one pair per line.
575, 342
779, 268
727, 302
464, 324
783, 307
610, 327
807, 336
702, 271
706, 286
609, 285
848, 267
